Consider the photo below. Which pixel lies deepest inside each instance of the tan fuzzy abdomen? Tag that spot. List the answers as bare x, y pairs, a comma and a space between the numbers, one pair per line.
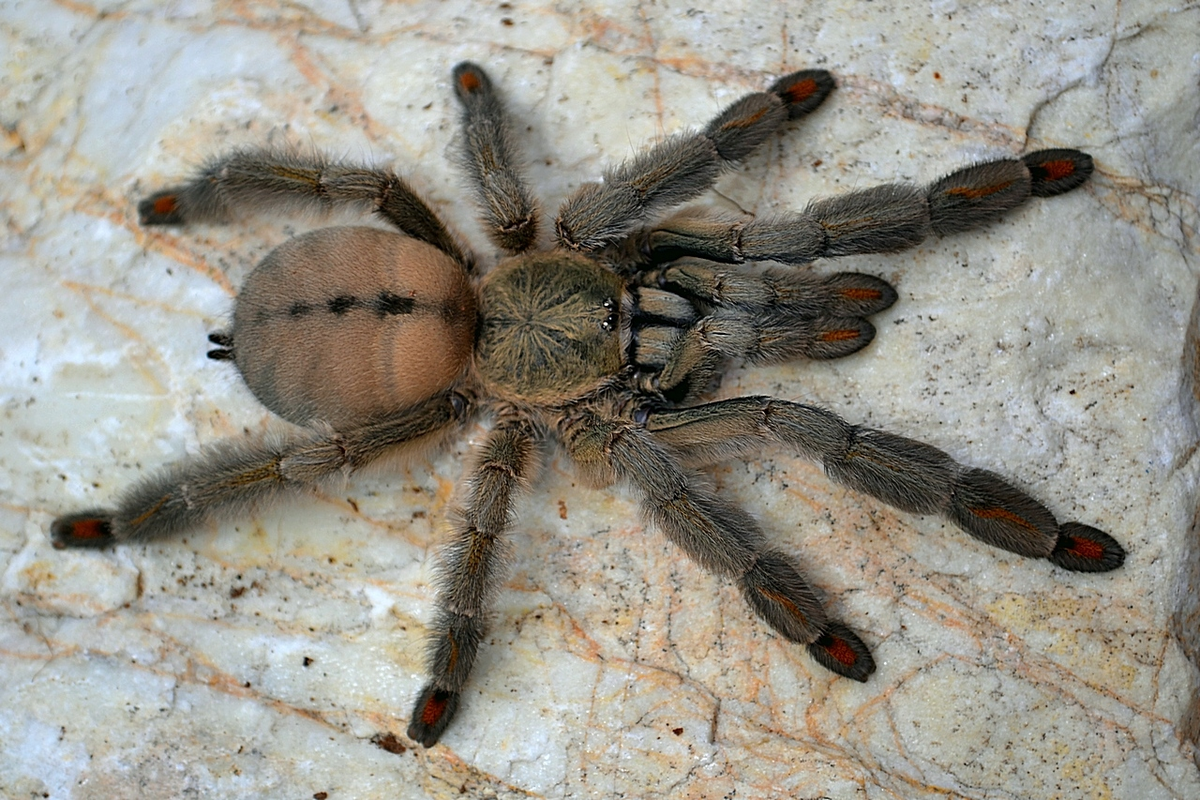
347, 325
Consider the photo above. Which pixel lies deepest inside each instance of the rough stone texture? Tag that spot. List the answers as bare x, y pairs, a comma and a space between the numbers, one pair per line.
278, 656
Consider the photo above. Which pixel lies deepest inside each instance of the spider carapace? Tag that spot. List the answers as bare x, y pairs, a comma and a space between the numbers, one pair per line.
602, 334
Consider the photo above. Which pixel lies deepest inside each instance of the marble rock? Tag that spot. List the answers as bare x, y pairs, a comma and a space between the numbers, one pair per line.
278, 655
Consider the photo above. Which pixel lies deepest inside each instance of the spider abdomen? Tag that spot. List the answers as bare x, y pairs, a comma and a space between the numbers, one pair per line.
548, 328
347, 325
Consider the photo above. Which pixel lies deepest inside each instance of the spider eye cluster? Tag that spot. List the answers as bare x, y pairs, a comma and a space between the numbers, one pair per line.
344, 325
610, 322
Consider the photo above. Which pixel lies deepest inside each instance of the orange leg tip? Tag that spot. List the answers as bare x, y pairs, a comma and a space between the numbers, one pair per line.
469, 82
88, 529
431, 714
840, 650
161, 208
841, 335
803, 91
861, 294
1056, 171
1082, 548
469, 79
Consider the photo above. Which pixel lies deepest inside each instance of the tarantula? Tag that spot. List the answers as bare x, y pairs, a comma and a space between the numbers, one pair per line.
371, 340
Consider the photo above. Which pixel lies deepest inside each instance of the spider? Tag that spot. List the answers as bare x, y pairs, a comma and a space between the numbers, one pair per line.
372, 340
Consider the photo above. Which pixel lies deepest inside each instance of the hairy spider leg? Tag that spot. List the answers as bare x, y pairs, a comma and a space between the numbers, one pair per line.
232, 477
265, 179
683, 166
770, 319
904, 473
718, 536
764, 317
492, 162
470, 570
881, 219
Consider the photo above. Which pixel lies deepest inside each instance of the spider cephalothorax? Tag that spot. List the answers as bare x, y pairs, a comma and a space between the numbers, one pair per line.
374, 340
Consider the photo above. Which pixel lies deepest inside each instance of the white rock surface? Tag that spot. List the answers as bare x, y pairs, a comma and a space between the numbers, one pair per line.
266, 658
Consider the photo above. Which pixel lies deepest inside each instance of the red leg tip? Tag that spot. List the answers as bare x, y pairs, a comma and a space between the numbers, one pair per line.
803, 91
87, 529
1056, 171
161, 208
469, 79
431, 714
469, 82
1082, 548
840, 650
